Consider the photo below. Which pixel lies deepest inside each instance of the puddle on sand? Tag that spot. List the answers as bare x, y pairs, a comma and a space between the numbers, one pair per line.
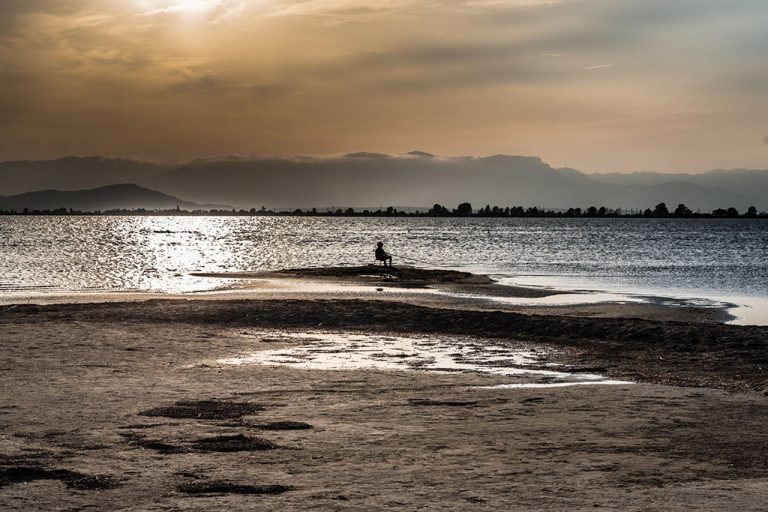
524, 365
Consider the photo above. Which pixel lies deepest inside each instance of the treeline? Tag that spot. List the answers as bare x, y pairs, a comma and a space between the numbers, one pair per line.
659, 211
438, 210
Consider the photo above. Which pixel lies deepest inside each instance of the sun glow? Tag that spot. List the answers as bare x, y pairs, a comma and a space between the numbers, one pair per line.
177, 6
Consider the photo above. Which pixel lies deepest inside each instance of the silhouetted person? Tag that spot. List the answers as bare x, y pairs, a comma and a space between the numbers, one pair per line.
382, 255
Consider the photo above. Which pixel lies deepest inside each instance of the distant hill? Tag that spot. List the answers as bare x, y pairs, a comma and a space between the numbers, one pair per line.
74, 173
123, 196
367, 179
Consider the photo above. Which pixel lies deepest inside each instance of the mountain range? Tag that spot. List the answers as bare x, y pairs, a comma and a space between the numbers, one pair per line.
372, 180
123, 196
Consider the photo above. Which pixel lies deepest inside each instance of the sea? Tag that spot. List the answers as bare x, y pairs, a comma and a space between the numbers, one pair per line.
708, 262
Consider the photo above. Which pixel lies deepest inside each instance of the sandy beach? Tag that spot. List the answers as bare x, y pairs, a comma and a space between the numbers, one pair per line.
137, 405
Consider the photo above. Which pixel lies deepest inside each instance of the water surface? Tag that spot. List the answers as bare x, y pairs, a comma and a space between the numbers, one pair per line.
691, 258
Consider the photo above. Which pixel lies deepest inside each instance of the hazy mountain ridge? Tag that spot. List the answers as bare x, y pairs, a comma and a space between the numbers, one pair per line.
376, 179
122, 196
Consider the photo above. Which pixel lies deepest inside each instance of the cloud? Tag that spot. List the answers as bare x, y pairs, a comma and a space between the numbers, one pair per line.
589, 83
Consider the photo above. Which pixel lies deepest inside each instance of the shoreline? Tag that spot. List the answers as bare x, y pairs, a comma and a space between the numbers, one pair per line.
462, 291
530, 294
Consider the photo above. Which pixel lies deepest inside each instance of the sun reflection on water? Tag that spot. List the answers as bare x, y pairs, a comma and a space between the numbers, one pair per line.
159, 254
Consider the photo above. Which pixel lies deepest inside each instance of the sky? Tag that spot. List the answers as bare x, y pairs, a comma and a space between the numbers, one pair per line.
598, 85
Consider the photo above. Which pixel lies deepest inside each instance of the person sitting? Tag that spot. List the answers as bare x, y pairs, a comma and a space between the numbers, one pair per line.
382, 255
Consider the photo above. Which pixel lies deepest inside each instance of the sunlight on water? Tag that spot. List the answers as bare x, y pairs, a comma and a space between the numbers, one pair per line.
699, 258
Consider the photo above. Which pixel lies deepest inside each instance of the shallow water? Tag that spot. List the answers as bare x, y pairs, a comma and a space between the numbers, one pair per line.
693, 258
524, 365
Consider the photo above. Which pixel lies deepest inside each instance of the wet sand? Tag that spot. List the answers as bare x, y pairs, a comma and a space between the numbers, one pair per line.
129, 406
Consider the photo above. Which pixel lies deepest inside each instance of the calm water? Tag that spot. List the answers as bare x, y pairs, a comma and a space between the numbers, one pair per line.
706, 258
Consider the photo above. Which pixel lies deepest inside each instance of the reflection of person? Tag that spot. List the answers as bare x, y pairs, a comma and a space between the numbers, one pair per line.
382, 255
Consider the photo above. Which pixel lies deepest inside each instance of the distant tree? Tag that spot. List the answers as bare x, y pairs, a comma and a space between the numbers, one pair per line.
350, 211
438, 210
732, 212
751, 212
591, 211
601, 211
682, 211
660, 210
463, 210
719, 213
647, 213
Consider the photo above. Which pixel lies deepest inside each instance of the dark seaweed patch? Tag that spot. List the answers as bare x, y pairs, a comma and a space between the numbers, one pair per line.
159, 446
284, 425
152, 444
139, 426
223, 487
438, 403
94, 483
205, 410
73, 479
237, 443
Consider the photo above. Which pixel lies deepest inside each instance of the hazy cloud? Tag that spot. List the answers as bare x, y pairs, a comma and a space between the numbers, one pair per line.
598, 84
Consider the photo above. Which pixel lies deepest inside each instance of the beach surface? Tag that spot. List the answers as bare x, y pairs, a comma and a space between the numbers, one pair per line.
173, 404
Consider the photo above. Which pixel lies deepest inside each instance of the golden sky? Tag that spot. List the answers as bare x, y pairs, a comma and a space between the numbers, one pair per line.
600, 85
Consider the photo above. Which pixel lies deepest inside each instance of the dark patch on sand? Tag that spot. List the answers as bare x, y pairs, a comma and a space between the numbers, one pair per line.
225, 487
441, 403
236, 443
232, 443
153, 444
585, 369
140, 426
72, 479
94, 483
205, 410
284, 425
